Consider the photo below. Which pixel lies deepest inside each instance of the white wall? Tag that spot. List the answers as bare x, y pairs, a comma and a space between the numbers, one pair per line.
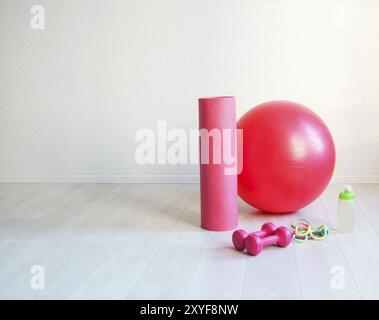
73, 95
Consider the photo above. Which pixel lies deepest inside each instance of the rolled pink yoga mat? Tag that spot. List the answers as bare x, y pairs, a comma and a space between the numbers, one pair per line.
218, 189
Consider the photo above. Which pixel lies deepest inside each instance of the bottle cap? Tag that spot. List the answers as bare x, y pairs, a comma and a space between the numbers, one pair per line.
347, 194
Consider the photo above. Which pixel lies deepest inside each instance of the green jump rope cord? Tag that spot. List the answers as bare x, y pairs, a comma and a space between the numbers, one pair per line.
303, 231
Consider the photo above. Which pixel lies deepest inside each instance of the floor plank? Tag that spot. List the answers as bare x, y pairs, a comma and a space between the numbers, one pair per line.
318, 260
39, 246
367, 198
19, 194
274, 273
117, 276
359, 247
144, 241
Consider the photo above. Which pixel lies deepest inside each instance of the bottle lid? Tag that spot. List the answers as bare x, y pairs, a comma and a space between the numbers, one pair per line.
347, 194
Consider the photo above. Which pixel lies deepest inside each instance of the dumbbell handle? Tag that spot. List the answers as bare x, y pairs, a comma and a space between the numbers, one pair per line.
260, 233
270, 240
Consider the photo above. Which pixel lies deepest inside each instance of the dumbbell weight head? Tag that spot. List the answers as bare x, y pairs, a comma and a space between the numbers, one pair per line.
281, 238
239, 236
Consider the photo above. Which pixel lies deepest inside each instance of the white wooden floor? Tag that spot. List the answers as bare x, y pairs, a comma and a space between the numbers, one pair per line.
125, 241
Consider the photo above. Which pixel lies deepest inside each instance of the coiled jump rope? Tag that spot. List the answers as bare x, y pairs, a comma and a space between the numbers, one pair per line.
302, 231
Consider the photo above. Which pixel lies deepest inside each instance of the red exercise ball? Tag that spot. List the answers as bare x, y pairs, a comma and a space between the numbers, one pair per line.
288, 157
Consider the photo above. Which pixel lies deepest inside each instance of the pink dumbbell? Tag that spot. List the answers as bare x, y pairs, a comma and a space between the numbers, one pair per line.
239, 236
254, 245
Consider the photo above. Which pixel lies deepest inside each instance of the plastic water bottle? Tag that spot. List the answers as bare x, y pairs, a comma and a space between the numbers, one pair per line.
346, 210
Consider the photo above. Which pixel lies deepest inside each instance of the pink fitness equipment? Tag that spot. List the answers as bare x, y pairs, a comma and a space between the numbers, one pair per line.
218, 190
281, 238
239, 236
288, 157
